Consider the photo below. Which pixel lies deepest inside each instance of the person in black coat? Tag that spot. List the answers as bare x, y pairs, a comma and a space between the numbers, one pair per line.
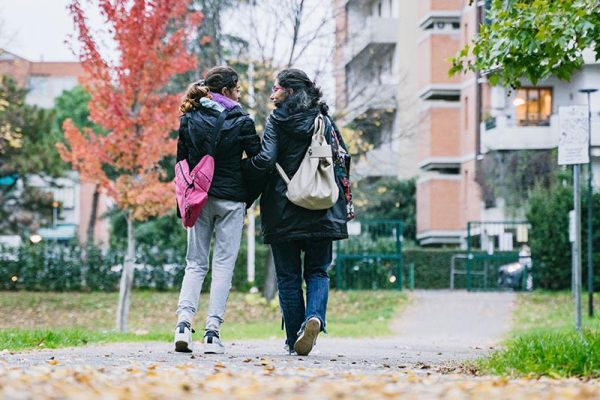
208, 104
292, 230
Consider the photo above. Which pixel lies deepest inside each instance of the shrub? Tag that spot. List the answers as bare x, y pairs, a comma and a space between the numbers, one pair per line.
57, 267
549, 236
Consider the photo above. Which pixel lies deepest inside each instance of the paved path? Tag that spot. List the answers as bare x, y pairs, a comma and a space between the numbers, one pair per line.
455, 321
438, 327
435, 331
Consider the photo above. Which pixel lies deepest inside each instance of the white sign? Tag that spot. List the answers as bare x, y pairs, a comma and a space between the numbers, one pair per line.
354, 228
574, 138
506, 241
572, 226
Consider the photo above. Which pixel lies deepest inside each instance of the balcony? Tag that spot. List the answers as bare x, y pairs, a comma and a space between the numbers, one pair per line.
377, 32
373, 97
501, 133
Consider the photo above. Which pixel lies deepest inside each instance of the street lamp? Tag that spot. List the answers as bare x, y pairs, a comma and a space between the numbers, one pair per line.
588, 92
35, 238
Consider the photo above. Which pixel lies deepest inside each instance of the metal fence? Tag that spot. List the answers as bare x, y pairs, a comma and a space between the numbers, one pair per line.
371, 258
497, 257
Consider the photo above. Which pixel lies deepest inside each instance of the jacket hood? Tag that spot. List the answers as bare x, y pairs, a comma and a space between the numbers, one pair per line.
211, 104
300, 124
209, 111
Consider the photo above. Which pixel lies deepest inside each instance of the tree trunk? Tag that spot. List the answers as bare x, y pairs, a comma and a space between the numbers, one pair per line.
89, 240
126, 278
270, 289
93, 216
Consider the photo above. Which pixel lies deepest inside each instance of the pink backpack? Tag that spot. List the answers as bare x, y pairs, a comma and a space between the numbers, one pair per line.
191, 188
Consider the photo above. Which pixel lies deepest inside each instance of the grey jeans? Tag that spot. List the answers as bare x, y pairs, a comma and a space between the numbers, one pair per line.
226, 219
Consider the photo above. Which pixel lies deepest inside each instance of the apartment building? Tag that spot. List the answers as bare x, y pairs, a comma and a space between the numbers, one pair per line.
460, 120
447, 194
45, 81
374, 62
394, 54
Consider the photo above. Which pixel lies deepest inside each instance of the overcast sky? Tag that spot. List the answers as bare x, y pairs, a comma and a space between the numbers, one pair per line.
36, 29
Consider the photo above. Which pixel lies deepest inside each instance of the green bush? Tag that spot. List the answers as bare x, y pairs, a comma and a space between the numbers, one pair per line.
549, 236
57, 267
385, 197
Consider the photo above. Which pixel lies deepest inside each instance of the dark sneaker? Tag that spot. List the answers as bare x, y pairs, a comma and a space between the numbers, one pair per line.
212, 343
288, 349
308, 337
183, 337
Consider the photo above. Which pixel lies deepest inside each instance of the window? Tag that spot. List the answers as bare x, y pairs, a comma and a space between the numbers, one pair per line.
466, 113
533, 106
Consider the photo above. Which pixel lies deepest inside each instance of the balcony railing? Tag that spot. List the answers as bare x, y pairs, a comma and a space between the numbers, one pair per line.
376, 31
374, 97
500, 133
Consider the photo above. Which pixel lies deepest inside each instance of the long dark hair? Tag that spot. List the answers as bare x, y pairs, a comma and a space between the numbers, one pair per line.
215, 80
306, 94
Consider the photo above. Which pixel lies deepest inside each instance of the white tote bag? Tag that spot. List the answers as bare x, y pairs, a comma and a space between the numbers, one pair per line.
313, 186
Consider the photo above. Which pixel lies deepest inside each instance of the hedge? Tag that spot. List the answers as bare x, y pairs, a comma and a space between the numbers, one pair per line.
51, 267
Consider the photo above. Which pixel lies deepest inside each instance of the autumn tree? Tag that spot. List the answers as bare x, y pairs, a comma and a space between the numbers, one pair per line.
129, 103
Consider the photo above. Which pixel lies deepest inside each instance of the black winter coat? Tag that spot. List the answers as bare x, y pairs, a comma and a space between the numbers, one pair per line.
285, 141
237, 134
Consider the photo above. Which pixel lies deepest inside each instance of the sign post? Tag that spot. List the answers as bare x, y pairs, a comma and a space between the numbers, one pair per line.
573, 150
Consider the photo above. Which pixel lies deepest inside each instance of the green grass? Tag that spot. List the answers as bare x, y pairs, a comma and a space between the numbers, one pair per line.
51, 320
544, 342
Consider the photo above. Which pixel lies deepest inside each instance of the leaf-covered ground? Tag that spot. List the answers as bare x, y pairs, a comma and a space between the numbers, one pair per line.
265, 379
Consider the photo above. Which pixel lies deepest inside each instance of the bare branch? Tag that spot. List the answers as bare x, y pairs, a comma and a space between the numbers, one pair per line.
297, 21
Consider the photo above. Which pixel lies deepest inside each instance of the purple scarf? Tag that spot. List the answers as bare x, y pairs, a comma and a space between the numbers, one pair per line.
224, 101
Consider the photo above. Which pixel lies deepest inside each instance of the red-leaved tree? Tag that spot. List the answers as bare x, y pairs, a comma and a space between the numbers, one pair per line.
128, 100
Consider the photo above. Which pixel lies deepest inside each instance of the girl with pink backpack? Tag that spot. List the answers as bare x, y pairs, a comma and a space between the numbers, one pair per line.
211, 196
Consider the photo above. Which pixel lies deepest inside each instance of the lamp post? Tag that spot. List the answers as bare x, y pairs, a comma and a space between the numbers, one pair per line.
588, 92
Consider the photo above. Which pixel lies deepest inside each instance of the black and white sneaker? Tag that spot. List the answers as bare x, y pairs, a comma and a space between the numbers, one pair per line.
212, 343
308, 337
183, 337
289, 350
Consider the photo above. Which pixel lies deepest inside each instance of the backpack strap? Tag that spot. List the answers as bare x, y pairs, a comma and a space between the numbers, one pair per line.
216, 133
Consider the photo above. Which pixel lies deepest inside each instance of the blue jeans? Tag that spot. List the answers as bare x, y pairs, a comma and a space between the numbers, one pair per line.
288, 265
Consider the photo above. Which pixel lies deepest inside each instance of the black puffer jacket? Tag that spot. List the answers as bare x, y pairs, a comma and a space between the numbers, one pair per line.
286, 140
238, 134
